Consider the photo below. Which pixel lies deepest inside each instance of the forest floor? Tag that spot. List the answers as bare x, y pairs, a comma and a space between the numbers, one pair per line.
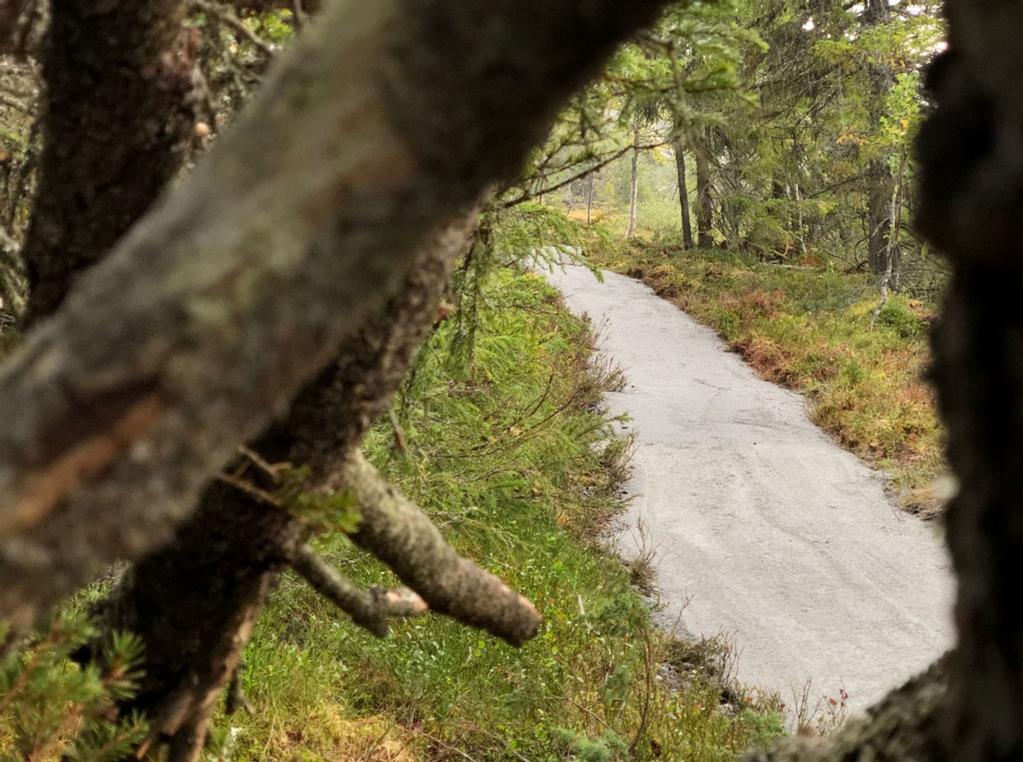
756, 523
506, 442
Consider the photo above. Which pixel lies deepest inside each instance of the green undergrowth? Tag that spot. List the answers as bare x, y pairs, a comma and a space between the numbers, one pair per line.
814, 330
507, 447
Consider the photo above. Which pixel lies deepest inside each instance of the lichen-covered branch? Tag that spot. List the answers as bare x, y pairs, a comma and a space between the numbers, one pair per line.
402, 536
211, 314
370, 609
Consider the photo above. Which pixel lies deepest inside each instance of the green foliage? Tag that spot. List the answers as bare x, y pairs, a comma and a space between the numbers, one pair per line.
898, 315
52, 707
327, 511
606, 747
806, 112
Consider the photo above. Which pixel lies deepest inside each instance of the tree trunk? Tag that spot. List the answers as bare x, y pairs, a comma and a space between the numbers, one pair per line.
704, 195
633, 185
800, 224
118, 409
968, 151
589, 198
119, 117
881, 181
683, 192
879, 222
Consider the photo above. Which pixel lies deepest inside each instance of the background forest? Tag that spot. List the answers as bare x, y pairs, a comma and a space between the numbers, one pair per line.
757, 158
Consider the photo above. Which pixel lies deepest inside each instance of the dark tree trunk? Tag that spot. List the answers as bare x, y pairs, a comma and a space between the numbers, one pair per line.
972, 209
633, 186
704, 195
119, 117
880, 179
683, 192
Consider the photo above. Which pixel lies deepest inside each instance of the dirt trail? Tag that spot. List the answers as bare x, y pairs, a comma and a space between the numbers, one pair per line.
774, 535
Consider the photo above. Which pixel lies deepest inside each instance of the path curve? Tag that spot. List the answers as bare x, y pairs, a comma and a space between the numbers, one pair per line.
775, 535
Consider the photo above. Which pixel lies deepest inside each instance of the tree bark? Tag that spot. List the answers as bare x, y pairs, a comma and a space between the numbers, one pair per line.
212, 312
119, 117
971, 210
630, 230
879, 222
683, 192
589, 198
11, 12
880, 179
704, 195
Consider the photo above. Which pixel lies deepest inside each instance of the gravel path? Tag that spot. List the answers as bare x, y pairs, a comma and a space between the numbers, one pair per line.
764, 529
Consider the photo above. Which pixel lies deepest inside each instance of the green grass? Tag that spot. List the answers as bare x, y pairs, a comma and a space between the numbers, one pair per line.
811, 329
510, 453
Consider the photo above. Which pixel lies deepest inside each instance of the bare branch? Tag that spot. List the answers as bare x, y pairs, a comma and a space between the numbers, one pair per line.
526, 195
398, 533
227, 15
370, 609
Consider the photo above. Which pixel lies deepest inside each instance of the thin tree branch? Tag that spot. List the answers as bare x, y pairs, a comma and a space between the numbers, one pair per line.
527, 195
370, 609
398, 533
227, 15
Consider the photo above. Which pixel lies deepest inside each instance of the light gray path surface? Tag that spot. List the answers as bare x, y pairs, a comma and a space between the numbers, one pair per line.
764, 529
